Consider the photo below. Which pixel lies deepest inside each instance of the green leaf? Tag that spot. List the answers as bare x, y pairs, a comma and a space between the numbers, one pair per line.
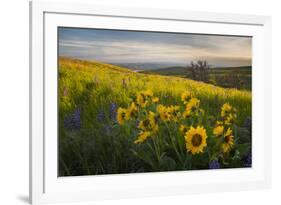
145, 157
243, 149
167, 163
242, 135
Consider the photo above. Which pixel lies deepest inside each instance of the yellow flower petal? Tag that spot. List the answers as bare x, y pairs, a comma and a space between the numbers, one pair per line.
121, 115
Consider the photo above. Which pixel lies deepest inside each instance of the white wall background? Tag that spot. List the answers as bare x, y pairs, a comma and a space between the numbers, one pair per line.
14, 100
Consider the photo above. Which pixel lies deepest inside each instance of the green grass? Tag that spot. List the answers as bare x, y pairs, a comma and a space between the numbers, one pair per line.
98, 144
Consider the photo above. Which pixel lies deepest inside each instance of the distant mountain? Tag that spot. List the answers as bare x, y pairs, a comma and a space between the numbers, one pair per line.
146, 66
174, 70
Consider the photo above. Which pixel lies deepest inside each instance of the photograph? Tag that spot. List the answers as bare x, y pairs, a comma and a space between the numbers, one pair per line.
149, 101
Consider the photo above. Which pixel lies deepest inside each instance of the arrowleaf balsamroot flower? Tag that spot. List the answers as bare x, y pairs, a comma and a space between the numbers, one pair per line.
162, 110
225, 110
149, 124
121, 115
143, 97
185, 97
173, 112
143, 135
183, 128
141, 101
218, 130
148, 93
155, 99
144, 124
228, 113
169, 113
150, 117
193, 103
227, 141
153, 121
229, 119
191, 107
131, 111
196, 139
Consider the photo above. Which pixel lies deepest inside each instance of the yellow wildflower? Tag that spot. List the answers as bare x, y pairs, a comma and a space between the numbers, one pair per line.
143, 96
193, 103
141, 100
162, 110
144, 124
121, 115
226, 108
153, 121
218, 130
183, 128
227, 141
191, 107
186, 113
173, 112
168, 113
219, 123
131, 111
142, 137
155, 100
148, 93
229, 119
196, 139
185, 96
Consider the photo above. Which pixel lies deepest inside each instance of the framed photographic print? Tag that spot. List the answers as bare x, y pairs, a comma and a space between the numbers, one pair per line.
129, 102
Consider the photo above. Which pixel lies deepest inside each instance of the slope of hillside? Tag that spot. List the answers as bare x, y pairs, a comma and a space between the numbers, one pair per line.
216, 74
121, 84
90, 139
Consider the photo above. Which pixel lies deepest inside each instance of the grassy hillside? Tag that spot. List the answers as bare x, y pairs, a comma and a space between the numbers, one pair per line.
244, 73
90, 139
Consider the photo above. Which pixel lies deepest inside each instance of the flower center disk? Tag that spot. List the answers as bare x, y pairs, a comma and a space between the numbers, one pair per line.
227, 138
196, 140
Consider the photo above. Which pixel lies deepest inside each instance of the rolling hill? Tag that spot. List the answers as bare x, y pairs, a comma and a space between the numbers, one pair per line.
216, 74
92, 142
119, 84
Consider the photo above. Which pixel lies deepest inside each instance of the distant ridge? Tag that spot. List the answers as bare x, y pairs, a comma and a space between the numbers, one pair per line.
180, 70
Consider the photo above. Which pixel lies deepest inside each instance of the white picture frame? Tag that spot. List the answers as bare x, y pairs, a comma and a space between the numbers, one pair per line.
46, 187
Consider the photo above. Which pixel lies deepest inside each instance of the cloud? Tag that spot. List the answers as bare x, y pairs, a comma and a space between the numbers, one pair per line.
127, 47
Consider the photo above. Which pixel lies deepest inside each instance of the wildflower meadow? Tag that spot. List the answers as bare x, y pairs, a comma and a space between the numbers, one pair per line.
113, 120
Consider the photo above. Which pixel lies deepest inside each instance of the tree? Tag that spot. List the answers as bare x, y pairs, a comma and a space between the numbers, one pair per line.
199, 70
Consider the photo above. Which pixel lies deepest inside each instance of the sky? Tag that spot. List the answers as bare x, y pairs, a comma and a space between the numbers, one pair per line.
116, 46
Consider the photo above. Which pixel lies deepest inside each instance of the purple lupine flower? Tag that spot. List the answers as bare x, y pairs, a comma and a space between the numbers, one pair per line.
107, 129
248, 123
112, 110
101, 116
73, 120
248, 160
137, 123
214, 164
